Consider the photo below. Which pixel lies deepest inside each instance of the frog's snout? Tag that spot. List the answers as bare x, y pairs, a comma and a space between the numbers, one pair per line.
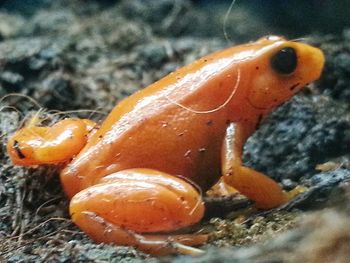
319, 60
312, 60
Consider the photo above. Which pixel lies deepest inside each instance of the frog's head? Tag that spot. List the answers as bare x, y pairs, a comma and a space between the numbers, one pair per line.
281, 68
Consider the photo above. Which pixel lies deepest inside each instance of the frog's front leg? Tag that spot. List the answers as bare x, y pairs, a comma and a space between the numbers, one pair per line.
127, 207
264, 191
36, 145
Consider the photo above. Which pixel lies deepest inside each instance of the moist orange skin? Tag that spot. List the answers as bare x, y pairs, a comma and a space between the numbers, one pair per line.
134, 173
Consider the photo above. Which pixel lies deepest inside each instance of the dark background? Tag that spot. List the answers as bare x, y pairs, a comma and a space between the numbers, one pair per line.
293, 18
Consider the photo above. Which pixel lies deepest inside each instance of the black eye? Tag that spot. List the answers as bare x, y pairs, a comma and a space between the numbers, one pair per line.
284, 61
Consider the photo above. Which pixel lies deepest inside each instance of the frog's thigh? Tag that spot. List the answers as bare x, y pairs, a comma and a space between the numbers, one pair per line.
137, 200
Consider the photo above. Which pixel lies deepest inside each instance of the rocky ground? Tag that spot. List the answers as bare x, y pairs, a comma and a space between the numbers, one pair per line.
78, 58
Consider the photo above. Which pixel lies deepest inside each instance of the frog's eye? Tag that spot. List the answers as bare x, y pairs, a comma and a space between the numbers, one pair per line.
284, 61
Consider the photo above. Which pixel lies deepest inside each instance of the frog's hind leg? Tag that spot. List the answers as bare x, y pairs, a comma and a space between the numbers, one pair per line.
140, 201
36, 145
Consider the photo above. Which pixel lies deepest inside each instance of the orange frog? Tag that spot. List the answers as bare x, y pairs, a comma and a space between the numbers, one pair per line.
134, 178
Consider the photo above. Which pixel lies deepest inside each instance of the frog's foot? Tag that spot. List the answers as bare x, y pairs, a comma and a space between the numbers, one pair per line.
143, 201
294, 192
35, 144
102, 231
221, 189
264, 191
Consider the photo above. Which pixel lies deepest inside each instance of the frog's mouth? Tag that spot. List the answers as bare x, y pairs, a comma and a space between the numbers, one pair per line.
294, 89
270, 107
254, 106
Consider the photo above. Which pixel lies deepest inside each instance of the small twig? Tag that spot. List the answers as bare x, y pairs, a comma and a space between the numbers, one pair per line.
45, 203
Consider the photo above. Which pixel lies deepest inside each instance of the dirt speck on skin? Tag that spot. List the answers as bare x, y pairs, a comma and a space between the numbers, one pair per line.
85, 56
